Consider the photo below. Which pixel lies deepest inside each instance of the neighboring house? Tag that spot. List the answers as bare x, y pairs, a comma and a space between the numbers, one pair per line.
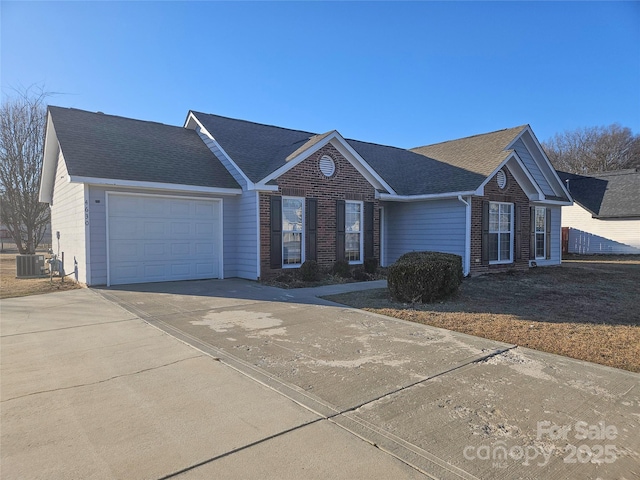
138, 201
605, 217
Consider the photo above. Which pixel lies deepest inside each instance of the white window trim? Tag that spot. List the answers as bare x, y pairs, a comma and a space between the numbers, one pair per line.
511, 234
302, 242
544, 233
361, 231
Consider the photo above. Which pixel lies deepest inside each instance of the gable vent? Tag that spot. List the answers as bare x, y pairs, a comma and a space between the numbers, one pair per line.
327, 166
501, 179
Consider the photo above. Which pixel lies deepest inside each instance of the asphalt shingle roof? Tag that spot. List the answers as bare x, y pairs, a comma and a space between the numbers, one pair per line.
455, 166
480, 154
256, 148
606, 195
110, 147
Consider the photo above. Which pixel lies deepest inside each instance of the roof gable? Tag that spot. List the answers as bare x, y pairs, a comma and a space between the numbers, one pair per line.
606, 195
480, 154
96, 145
256, 149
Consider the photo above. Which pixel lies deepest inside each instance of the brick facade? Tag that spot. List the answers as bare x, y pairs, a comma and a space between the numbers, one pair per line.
512, 193
306, 180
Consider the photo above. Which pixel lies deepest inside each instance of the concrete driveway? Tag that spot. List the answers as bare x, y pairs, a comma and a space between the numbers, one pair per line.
301, 388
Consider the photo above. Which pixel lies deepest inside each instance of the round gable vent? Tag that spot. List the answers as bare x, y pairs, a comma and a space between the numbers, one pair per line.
501, 179
327, 166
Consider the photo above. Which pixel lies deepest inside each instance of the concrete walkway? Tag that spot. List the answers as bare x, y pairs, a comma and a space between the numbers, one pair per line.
273, 383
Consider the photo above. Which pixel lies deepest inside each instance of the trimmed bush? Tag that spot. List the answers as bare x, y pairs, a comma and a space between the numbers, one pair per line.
342, 269
360, 274
310, 271
424, 276
371, 265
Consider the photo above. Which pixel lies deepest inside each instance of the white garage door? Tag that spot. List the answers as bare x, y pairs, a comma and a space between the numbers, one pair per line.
160, 239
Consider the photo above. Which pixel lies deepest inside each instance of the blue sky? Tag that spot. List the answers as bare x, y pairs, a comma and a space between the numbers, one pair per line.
397, 73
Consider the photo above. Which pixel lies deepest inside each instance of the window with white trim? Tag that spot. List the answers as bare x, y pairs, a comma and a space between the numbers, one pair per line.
353, 241
500, 232
541, 232
292, 231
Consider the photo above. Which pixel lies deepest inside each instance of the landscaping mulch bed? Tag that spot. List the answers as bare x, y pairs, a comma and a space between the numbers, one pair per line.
588, 309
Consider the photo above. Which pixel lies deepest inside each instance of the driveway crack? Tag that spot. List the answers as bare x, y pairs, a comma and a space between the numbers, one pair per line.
102, 381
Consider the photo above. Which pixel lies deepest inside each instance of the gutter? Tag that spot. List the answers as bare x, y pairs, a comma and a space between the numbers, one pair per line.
417, 198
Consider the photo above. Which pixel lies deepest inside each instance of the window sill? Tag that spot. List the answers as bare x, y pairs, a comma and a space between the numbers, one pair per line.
502, 262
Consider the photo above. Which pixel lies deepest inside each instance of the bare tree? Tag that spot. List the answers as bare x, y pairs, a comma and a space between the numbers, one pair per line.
22, 128
594, 149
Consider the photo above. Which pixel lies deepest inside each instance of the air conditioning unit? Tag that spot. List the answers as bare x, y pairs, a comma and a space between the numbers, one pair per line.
30, 266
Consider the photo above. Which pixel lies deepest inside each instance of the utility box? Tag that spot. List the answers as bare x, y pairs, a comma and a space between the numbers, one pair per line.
30, 266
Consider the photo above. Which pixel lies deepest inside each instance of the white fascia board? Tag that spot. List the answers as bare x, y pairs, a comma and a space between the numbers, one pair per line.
192, 117
347, 152
563, 203
47, 176
513, 155
419, 198
294, 161
155, 186
361, 164
549, 166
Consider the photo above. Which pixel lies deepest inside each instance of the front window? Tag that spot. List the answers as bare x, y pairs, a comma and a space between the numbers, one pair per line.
292, 230
500, 232
541, 232
353, 232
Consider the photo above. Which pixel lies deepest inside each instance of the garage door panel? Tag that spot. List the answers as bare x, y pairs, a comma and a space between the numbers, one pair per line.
154, 250
155, 239
151, 229
181, 229
204, 229
179, 249
154, 207
125, 250
124, 228
179, 209
204, 249
204, 268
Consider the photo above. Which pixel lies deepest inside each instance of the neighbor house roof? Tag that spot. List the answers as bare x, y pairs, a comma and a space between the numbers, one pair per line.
456, 166
102, 146
606, 195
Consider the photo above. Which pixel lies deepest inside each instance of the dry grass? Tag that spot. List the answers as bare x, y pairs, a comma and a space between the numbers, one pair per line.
587, 309
10, 286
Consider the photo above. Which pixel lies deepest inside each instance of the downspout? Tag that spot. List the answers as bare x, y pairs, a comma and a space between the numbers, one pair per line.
467, 236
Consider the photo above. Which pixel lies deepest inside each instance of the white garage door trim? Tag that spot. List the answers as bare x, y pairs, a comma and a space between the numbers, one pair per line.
177, 197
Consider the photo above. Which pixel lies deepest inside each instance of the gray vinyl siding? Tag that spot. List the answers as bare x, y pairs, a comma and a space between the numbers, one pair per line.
438, 225
241, 237
532, 166
68, 218
556, 237
241, 224
239, 253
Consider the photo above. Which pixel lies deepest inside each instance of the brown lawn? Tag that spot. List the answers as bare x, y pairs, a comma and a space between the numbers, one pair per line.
587, 309
10, 286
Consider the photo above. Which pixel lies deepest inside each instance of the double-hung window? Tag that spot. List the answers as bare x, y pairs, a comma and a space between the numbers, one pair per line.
541, 232
292, 231
353, 231
500, 232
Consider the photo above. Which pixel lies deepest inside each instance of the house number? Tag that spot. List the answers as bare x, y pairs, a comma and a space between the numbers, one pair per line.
86, 212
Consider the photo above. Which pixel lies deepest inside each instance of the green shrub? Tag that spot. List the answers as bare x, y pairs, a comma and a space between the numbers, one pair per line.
342, 269
360, 274
371, 265
310, 271
424, 276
